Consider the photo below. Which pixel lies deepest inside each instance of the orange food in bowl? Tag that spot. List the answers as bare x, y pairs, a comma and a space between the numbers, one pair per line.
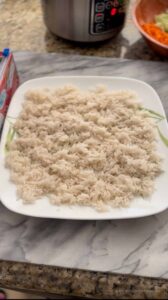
155, 32
145, 12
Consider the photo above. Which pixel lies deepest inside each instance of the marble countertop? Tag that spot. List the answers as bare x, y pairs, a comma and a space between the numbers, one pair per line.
22, 28
32, 249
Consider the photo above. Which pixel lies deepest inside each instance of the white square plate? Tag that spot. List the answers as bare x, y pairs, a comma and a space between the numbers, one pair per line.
140, 207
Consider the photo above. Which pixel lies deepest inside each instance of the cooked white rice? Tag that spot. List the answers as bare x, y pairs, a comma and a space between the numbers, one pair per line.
94, 148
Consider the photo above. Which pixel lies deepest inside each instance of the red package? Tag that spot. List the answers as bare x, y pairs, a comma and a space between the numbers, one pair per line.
9, 81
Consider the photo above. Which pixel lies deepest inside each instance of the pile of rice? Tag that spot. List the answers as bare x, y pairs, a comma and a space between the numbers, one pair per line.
93, 148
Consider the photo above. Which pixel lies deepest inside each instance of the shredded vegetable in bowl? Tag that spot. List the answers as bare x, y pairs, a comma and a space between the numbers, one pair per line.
158, 29
162, 21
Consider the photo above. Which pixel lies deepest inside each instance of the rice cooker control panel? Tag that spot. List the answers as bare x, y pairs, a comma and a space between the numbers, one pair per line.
107, 15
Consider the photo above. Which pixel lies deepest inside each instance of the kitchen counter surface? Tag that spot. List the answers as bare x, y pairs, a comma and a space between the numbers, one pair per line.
31, 248
48, 280
22, 28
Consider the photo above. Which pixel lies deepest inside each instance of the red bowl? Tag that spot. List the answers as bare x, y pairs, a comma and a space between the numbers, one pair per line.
144, 11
